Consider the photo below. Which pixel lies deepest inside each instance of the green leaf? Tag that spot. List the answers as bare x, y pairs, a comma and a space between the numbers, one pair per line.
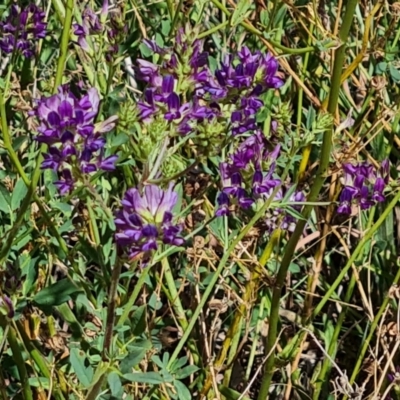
183, 391
264, 17
115, 383
157, 360
83, 374
165, 27
381, 67
151, 378
294, 213
119, 139
64, 207
286, 198
394, 73
231, 394
177, 364
29, 271
280, 15
186, 371
136, 354
294, 268
240, 12
56, 294
39, 382
154, 302
159, 40
4, 203
18, 194
145, 50
90, 252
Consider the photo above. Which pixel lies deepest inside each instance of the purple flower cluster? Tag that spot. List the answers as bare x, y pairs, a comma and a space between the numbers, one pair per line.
243, 166
21, 29
93, 25
76, 144
146, 220
248, 175
185, 91
169, 84
363, 186
241, 80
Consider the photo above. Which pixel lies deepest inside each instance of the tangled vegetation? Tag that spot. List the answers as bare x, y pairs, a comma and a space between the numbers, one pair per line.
199, 200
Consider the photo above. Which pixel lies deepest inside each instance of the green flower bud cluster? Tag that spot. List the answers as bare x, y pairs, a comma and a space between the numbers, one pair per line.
173, 165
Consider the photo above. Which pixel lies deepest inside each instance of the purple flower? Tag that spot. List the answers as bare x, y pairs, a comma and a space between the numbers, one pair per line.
282, 217
75, 142
145, 220
149, 72
269, 68
363, 186
263, 184
346, 198
246, 56
395, 376
21, 29
147, 108
243, 199
6, 306
167, 88
108, 164
66, 183
173, 104
241, 123
223, 205
232, 186
91, 25
254, 74
243, 179
379, 187
235, 184
152, 45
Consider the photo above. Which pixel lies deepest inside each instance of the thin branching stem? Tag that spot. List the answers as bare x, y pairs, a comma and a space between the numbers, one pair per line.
314, 192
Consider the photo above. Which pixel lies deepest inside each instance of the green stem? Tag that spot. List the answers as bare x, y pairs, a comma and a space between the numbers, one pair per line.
58, 81
174, 295
221, 266
255, 339
93, 222
64, 44
255, 31
321, 380
307, 150
31, 189
34, 353
19, 361
177, 306
112, 304
32, 184
365, 344
145, 272
213, 30
129, 305
334, 341
60, 9
110, 323
314, 192
7, 140
176, 16
360, 247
